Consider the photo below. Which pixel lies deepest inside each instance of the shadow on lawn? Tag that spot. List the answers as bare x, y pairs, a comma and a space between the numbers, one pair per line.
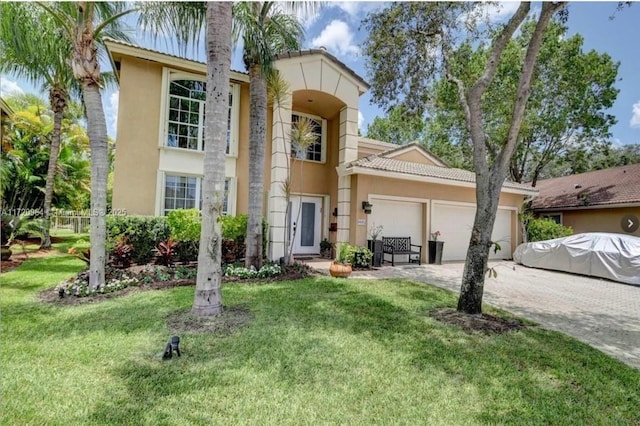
297, 339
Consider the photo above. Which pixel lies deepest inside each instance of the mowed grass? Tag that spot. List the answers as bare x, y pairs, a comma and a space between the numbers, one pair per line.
317, 351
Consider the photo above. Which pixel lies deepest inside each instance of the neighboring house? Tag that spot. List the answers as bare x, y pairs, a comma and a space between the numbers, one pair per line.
592, 202
158, 165
5, 112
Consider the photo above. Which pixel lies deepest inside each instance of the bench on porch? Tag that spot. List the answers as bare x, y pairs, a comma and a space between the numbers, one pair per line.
400, 246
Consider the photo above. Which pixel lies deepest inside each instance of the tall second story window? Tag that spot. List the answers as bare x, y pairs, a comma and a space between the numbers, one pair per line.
186, 114
317, 150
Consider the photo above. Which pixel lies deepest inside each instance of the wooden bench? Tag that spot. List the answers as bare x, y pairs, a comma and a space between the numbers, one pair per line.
400, 246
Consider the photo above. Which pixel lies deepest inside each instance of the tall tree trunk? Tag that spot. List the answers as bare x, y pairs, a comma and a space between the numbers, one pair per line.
489, 180
58, 100
475, 267
208, 298
97, 131
257, 148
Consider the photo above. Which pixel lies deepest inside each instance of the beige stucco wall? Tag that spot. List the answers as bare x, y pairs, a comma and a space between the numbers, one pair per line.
363, 185
599, 220
414, 156
137, 154
242, 162
137, 159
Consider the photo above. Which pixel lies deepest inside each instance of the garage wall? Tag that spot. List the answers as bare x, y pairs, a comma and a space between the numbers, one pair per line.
455, 221
385, 192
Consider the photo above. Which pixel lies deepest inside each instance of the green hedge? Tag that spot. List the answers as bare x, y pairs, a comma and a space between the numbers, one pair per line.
546, 229
144, 233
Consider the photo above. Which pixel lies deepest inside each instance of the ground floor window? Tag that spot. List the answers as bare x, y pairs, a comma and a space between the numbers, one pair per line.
185, 192
556, 217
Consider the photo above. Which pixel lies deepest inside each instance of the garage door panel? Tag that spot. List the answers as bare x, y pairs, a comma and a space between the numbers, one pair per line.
399, 219
455, 223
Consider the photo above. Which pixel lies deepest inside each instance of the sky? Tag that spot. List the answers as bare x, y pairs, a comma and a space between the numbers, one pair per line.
337, 28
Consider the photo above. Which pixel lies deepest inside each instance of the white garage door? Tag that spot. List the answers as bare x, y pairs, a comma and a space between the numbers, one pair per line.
399, 219
455, 222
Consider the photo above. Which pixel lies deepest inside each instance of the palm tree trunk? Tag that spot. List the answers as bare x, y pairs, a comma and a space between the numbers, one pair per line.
97, 131
257, 147
208, 298
58, 101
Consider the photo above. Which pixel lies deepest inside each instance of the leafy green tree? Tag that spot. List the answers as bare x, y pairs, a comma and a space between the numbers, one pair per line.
571, 91
83, 24
41, 60
399, 127
410, 46
26, 155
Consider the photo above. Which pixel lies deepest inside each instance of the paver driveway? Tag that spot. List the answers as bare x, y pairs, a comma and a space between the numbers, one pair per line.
602, 313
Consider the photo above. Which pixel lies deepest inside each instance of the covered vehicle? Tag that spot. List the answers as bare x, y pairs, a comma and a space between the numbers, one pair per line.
597, 254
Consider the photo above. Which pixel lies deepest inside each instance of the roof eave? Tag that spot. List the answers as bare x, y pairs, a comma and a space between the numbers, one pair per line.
126, 49
589, 207
353, 170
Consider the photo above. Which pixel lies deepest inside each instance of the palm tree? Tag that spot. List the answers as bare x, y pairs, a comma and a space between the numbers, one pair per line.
83, 24
40, 60
208, 298
185, 21
266, 30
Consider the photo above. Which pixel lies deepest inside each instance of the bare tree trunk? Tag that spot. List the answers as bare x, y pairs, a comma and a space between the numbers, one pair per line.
489, 179
257, 152
97, 131
208, 297
58, 102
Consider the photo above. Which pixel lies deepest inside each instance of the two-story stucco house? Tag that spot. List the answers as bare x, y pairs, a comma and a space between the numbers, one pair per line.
158, 165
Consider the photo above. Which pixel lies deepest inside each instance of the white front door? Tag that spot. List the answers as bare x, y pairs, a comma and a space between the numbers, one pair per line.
305, 214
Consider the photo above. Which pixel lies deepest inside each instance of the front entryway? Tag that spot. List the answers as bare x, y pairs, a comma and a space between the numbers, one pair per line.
305, 218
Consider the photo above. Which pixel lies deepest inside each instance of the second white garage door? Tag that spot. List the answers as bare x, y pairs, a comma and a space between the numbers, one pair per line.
454, 221
399, 219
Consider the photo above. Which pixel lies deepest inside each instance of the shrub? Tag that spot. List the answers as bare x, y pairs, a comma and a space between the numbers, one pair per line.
122, 253
144, 233
359, 257
546, 229
234, 227
166, 251
185, 224
268, 270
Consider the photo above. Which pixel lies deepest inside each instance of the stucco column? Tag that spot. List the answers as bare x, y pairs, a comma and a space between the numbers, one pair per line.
348, 152
280, 157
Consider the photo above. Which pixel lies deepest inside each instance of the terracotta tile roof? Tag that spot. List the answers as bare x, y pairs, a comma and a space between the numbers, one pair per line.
618, 185
379, 162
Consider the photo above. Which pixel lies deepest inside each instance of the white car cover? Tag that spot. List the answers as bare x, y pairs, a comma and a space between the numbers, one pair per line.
612, 256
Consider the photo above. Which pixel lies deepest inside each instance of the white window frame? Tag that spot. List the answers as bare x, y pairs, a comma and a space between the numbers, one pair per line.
169, 75
323, 136
231, 192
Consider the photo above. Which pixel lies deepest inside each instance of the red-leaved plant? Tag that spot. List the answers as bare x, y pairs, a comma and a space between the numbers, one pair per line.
122, 254
166, 251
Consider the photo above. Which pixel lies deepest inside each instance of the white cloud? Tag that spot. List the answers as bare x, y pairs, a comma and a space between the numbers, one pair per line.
357, 9
501, 11
336, 37
635, 116
360, 121
8, 88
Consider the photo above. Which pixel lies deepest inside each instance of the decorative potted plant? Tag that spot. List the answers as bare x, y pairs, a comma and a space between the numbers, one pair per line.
375, 245
435, 248
341, 267
325, 248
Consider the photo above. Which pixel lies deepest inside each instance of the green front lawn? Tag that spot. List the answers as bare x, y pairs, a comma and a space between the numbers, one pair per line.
317, 351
